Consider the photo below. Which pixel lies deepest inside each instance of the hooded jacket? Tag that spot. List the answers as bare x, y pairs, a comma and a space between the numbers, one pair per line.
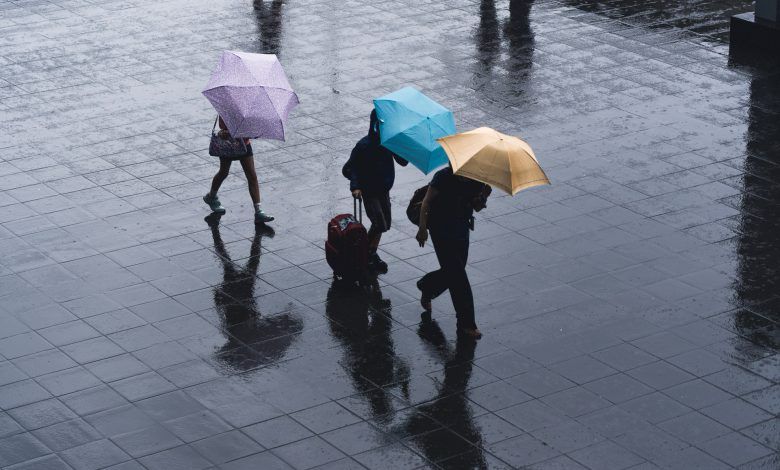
370, 167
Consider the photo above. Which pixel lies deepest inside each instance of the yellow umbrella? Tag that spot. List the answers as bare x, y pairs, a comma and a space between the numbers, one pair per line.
497, 159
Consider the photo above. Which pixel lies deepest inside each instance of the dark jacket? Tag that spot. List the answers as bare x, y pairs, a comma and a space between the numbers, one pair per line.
451, 213
370, 167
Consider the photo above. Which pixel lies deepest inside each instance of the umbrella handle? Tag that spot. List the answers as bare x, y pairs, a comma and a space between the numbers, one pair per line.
243, 142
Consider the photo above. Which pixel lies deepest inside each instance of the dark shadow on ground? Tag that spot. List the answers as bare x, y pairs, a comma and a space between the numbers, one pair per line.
359, 319
253, 340
450, 407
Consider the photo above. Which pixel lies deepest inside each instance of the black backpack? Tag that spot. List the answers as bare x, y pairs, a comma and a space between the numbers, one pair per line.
413, 210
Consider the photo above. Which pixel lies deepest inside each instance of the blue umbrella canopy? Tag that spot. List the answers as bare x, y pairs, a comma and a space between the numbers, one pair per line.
410, 123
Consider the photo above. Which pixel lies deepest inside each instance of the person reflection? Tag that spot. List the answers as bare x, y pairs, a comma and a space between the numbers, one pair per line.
269, 24
359, 319
517, 36
252, 340
450, 407
488, 36
758, 236
520, 39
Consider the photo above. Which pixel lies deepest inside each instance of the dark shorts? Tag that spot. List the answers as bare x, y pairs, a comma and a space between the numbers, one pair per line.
378, 211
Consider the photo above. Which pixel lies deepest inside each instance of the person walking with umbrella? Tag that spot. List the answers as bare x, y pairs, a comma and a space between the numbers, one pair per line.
248, 165
371, 173
479, 159
447, 211
253, 98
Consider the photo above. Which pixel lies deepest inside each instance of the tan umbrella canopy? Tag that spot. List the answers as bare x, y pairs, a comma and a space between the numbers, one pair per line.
500, 160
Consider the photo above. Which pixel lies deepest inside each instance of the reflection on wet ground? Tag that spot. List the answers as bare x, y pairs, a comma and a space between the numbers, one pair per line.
630, 310
709, 19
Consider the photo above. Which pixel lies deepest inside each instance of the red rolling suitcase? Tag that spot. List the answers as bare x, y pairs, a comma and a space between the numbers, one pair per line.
346, 248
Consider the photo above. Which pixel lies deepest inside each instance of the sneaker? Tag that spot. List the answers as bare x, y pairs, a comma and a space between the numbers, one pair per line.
262, 218
214, 204
376, 263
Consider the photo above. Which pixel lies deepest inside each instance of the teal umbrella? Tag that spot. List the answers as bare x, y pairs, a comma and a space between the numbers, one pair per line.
410, 123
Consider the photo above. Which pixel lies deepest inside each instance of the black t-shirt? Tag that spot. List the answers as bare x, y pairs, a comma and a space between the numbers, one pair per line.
451, 209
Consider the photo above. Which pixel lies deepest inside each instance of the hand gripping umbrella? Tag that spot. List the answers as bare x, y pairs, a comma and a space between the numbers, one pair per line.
494, 158
251, 94
410, 123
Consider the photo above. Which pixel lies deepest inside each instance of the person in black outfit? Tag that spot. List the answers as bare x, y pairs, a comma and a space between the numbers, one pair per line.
371, 173
448, 212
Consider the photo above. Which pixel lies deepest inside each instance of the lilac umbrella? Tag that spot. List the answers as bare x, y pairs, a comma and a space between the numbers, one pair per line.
251, 94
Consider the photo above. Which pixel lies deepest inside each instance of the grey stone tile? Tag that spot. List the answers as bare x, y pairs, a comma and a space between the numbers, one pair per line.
92, 400
540, 382
62, 436
765, 433
497, 395
93, 456
41, 414
314, 451
226, 447
697, 394
278, 431
575, 401
623, 357
736, 413
21, 393
532, 415
654, 407
523, 450
568, 436
325, 417
737, 380
264, 460
618, 388
582, 369
606, 454
178, 458
660, 375
49, 462
146, 441
19, 448
735, 449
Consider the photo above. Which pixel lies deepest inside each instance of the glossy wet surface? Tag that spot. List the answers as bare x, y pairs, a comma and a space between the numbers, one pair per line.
630, 310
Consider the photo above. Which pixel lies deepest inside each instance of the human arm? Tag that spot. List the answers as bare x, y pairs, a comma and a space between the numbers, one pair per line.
349, 170
425, 210
400, 160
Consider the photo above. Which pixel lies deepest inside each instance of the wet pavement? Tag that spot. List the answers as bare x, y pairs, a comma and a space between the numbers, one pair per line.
630, 310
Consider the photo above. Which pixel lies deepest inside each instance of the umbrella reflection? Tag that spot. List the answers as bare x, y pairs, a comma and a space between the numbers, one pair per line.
252, 340
359, 319
450, 407
268, 16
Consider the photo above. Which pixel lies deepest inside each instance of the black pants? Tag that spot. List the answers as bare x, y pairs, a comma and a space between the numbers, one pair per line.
452, 255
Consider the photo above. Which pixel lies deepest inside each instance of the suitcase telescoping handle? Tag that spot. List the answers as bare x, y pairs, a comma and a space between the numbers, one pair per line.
358, 203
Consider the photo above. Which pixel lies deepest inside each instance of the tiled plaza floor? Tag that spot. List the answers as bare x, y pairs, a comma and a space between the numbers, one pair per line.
630, 310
